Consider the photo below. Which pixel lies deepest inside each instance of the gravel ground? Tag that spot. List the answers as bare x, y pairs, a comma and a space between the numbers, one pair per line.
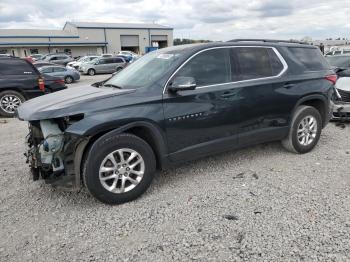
257, 204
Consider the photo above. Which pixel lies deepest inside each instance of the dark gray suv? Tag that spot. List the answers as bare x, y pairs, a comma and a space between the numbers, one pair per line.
175, 105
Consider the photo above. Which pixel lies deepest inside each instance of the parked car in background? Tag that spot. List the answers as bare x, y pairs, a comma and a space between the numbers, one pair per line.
106, 55
128, 53
20, 81
84, 59
103, 65
338, 52
29, 59
41, 64
128, 59
341, 65
36, 57
178, 104
69, 74
61, 59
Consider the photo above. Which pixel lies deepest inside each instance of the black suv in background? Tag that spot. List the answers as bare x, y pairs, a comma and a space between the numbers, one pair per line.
178, 104
20, 81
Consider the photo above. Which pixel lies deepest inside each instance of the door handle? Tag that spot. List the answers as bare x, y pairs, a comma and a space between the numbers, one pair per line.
288, 85
228, 94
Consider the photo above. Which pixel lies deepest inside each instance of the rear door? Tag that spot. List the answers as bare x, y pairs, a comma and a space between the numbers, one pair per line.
20, 75
205, 120
265, 105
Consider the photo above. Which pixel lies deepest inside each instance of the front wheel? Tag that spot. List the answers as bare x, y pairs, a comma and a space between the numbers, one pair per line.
91, 72
305, 130
119, 168
9, 102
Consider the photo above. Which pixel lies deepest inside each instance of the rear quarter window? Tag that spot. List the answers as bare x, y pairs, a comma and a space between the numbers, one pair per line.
15, 67
310, 58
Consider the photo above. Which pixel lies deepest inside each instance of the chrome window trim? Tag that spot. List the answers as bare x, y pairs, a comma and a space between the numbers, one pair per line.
280, 57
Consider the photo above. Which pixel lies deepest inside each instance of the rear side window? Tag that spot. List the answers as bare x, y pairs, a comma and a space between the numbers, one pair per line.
15, 67
257, 62
209, 67
310, 58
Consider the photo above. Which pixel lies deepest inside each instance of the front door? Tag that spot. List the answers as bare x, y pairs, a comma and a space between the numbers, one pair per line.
205, 120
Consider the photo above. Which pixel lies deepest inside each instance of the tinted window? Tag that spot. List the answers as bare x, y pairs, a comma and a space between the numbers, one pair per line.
310, 58
102, 61
255, 62
109, 60
346, 52
118, 60
15, 67
61, 57
59, 69
209, 67
46, 70
337, 52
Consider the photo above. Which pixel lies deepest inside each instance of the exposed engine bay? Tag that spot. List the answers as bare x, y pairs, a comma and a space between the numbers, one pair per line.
50, 152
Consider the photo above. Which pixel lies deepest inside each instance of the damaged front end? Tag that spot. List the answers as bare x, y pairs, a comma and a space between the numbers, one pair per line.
53, 154
341, 110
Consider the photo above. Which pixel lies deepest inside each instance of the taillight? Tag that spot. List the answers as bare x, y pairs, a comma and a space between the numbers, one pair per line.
332, 78
41, 84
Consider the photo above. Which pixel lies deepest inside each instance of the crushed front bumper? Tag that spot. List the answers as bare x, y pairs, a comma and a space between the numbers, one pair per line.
69, 178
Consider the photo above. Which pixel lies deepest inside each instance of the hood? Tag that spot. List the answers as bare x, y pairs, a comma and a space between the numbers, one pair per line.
68, 102
343, 83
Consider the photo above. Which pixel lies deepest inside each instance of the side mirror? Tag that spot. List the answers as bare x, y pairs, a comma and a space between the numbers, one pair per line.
182, 83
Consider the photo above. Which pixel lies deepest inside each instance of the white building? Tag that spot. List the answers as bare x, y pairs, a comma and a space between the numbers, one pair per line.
82, 38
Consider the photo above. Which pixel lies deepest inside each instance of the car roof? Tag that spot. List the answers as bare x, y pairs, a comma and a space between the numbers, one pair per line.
243, 42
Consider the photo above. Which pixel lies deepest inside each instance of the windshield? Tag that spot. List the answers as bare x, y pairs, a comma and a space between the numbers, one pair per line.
92, 61
144, 71
82, 59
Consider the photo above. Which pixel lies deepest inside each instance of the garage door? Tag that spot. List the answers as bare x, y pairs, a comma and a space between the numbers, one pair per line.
156, 38
129, 40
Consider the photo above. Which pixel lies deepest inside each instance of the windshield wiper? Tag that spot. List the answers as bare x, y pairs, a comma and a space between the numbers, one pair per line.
111, 85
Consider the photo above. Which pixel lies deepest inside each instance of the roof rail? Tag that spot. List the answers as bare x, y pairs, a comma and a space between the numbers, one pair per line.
269, 41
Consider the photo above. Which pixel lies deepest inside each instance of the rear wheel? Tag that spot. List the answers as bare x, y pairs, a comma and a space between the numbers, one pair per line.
119, 168
91, 72
69, 79
9, 102
305, 130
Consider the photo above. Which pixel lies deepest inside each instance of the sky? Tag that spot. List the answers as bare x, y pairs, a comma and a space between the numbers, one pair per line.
196, 19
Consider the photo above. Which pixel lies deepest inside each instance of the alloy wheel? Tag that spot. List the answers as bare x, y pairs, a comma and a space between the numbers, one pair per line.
307, 130
9, 103
121, 170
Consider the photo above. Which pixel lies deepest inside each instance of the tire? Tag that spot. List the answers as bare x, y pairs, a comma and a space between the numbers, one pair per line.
99, 167
302, 137
91, 72
68, 79
119, 69
9, 101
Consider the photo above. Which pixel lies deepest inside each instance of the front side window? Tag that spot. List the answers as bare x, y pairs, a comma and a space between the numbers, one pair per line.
46, 70
257, 62
209, 67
